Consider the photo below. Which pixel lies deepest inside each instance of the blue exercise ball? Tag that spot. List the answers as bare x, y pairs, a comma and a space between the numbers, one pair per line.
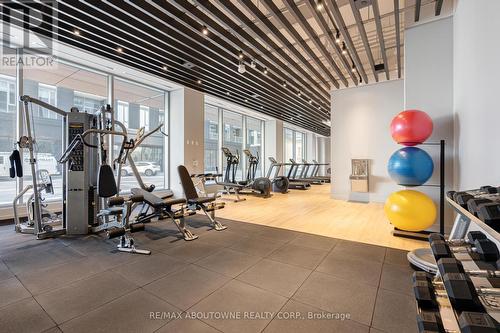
410, 166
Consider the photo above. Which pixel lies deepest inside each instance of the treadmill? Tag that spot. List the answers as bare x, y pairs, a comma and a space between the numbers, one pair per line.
306, 176
296, 184
294, 170
315, 171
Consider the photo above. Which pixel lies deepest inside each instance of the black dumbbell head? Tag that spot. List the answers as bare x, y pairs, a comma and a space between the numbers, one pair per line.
429, 321
440, 249
473, 235
435, 236
486, 249
449, 265
472, 322
461, 292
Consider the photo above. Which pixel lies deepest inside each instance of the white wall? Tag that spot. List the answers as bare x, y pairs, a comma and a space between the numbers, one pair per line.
186, 134
476, 91
360, 129
324, 149
428, 87
273, 142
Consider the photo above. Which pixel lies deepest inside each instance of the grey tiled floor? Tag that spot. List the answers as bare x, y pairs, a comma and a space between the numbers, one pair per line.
85, 285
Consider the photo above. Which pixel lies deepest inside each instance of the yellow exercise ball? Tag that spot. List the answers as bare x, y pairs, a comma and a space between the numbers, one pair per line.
410, 210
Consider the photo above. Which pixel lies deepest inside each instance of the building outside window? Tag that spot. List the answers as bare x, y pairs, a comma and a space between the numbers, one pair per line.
211, 129
8, 101
294, 147
239, 132
139, 106
62, 87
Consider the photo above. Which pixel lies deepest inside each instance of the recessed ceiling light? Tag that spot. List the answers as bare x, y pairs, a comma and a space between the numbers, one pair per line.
164, 68
76, 32
265, 70
199, 81
284, 83
298, 93
246, 99
228, 93
337, 37
319, 5
310, 101
204, 30
240, 55
119, 49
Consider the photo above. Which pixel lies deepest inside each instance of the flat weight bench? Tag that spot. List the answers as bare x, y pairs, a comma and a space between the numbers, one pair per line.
161, 207
207, 204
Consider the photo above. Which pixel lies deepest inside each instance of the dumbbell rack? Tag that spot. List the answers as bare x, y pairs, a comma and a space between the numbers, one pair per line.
464, 223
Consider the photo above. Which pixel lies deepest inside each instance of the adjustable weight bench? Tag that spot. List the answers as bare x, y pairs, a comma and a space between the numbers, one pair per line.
207, 204
161, 208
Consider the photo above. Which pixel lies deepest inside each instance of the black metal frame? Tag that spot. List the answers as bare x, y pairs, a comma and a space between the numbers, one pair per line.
422, 235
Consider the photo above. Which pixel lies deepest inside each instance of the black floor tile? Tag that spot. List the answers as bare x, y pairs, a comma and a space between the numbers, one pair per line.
361, 271
149, 269
303, 321
24, 316
280, 278
83, 296
315, 241
338, 296
228, 262
187, 286
306, 257
11, 290
187, 326
359, 251
238, 298
138, 311
397, 278
395, 312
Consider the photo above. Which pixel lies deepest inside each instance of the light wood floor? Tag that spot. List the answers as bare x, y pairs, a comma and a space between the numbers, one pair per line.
313, 211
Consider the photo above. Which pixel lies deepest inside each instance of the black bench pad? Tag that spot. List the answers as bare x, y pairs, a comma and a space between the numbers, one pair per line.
156, 201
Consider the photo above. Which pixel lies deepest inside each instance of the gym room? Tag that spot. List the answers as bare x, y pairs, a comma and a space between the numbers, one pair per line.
249, 166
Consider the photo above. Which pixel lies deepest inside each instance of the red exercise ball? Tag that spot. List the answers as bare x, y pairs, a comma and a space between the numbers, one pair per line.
411, 127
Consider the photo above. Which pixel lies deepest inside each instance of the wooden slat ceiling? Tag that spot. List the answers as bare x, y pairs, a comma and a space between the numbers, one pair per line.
300, 49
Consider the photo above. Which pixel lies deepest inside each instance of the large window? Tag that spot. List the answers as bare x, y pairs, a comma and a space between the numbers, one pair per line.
239, 132
212, 150
254, 141
294, 146
138, 106
64, 86
233, 137
8, 101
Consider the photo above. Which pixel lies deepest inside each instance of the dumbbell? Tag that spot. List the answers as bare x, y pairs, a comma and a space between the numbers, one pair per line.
463, 196
477, 322
474, 204
489, 213
485, 248
452, 265
429, 321
462, 293
424, 290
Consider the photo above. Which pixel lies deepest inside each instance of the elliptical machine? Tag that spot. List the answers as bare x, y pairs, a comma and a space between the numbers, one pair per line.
259, 186
280, 183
